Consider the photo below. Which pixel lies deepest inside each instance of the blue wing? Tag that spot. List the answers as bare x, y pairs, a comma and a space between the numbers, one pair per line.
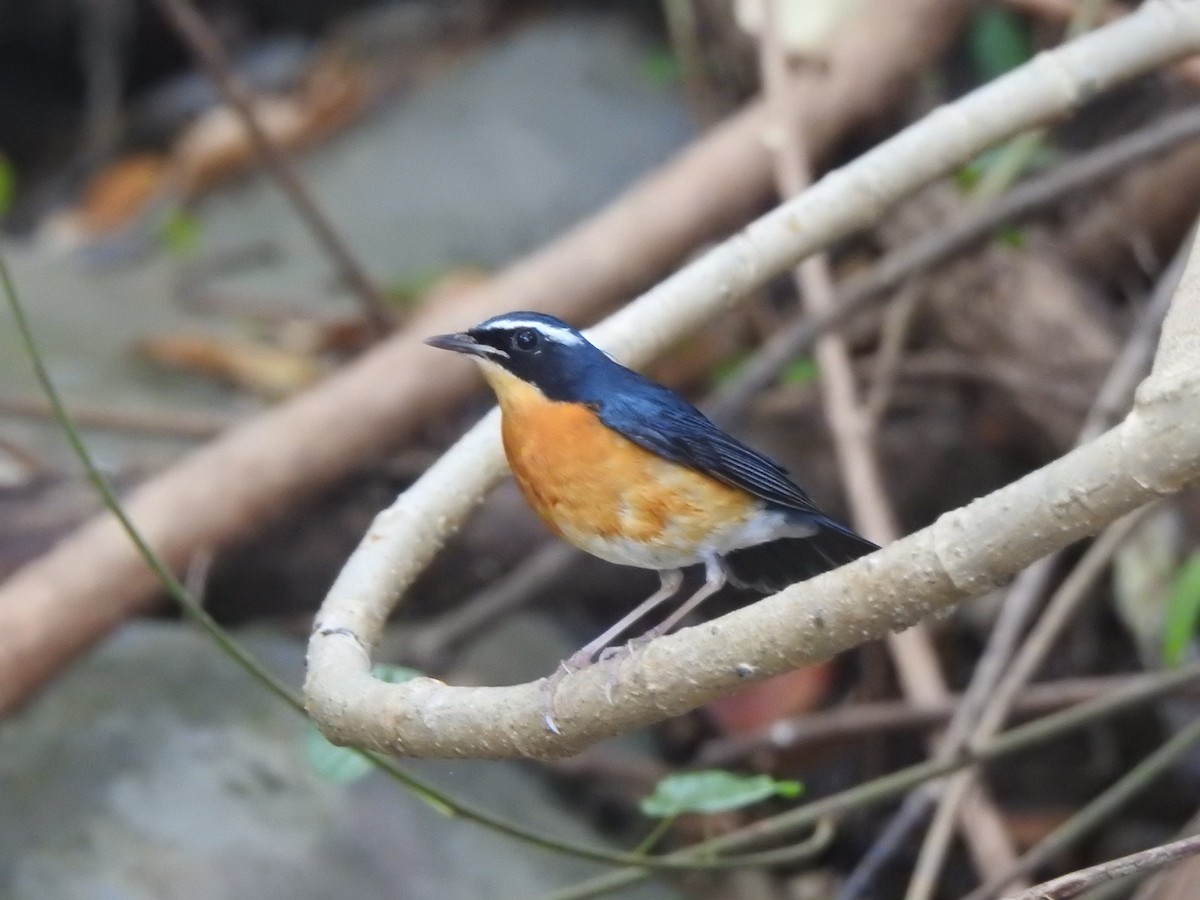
659, 420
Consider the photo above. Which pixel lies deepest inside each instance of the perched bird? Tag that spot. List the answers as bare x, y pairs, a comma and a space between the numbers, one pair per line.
627, 470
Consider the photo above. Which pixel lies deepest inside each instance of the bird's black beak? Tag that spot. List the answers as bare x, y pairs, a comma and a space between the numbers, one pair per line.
459, 343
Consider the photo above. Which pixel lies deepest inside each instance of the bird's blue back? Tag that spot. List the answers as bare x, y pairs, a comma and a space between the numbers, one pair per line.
659, 420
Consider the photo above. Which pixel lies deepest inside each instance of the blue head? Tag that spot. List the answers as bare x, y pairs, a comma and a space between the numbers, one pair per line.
537, 349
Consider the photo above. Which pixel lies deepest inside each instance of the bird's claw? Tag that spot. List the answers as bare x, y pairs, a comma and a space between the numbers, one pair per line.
610, 653
582, 660
626, 649
619, 653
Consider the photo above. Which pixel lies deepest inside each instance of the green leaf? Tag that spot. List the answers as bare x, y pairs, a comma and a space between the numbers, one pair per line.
1183, 611
800, 371
998, 41
713, 791
8, 182
180, 232
343, 765
395, 674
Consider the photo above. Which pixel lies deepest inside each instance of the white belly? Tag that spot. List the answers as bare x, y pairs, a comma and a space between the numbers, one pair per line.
759, 527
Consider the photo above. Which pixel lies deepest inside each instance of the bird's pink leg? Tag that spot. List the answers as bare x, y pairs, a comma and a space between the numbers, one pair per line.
670, 579
714, 580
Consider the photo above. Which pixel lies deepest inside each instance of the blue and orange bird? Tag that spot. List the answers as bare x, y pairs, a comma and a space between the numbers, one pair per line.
627, 470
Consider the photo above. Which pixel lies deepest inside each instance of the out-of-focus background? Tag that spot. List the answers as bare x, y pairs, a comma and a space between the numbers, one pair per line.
177, 293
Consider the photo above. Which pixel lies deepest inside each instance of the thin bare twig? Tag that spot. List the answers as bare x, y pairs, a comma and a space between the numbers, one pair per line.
1006, 376
897, 320
864, 719
1145, 861
1013, 615
982, 722
1096, 812
1058, 613
898, 783
1172, 884
860, 293
995, 692
204, 42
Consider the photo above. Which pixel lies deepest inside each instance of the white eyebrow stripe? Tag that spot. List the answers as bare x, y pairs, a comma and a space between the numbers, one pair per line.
562, 335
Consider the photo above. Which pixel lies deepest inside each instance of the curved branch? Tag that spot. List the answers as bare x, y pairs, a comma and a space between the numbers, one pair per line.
1155, 450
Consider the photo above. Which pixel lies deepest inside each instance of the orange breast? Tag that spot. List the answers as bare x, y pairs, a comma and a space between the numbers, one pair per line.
592, 486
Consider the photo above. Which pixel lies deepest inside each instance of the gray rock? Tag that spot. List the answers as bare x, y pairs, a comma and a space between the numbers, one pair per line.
479, 166
156, 769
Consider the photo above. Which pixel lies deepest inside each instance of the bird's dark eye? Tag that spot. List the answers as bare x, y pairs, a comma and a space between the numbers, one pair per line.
527, 339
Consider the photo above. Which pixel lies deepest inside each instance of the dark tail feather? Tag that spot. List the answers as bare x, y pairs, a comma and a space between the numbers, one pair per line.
773, 566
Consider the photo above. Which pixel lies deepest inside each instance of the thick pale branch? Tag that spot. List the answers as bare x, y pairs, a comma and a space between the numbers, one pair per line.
966, 552
1156, 450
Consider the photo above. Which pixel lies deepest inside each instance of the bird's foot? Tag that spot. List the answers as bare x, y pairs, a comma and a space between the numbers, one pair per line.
548, 691
620, 652
573, 663
581, 660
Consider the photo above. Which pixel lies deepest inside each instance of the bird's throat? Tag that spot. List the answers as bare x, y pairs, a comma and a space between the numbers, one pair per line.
512, 393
